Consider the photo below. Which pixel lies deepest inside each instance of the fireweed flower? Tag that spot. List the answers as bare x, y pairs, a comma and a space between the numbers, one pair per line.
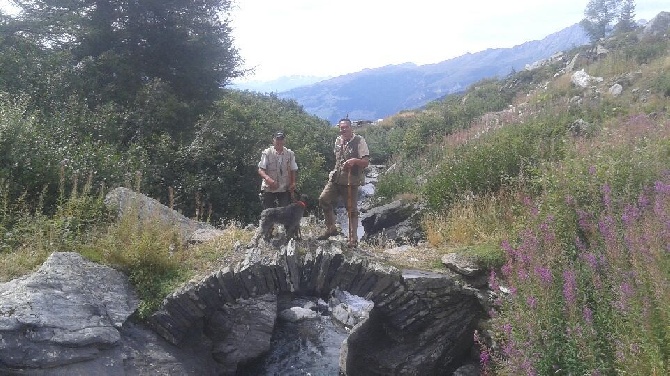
522, 274
531, 301
607, 195
620, 354
507, 329
643, 201
507, 247
549, 236
484, 353
661, 187
527, 366
569, 287
625, 292
635, 348
534, 211
493, 281
587, 314
630, 214
583, 220
581, 247
607, 230
544, 274
592, 170
506, 269
590, 259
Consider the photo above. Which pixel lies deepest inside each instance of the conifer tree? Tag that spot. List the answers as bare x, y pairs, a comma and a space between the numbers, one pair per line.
120, 51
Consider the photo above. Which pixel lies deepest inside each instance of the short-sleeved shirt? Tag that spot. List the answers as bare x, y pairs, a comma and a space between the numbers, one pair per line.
277, 166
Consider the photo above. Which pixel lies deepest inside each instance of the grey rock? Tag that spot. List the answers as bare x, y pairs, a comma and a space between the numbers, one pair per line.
462, 265
127, 202
583, 79
242, 331
397, 221
615, 90
204, 235
349, 309
68, 312
471, 369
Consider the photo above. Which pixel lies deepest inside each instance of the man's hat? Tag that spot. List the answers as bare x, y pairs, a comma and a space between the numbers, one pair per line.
279, 135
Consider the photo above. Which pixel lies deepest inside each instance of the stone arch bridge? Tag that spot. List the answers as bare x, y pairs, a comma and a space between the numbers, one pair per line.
422, 323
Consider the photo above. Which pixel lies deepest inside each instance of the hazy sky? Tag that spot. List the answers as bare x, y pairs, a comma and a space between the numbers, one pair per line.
329, 38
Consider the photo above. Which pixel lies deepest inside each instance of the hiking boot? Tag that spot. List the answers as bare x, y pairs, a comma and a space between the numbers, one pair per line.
327, 234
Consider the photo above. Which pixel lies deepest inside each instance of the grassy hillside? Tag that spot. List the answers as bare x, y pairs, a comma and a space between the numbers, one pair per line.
565, 189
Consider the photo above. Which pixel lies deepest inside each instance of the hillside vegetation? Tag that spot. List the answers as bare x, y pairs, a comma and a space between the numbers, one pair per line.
563, 191
566, 190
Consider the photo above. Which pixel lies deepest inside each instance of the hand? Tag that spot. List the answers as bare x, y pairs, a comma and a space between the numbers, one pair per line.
272, 183
350, 163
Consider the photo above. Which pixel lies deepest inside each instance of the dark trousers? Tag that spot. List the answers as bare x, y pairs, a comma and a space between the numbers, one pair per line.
275, 199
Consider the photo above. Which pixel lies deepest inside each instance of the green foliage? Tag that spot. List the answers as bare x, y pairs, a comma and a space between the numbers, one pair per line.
27, 236
625, 158
179, 53
487, 255
644, 53
493, 161
593, 307
408, 135
601, 14
662, 84
147, 251
217, 173
393, 184
42, 155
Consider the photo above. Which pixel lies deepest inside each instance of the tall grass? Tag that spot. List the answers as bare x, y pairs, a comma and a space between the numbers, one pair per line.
583, 220
150, 252
600, 308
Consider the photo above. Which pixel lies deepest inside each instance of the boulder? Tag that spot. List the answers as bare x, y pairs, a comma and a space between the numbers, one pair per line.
127, 202
72, 317
69, 312
398, 221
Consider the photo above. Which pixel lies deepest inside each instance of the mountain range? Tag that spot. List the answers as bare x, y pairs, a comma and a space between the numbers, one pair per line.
373, 94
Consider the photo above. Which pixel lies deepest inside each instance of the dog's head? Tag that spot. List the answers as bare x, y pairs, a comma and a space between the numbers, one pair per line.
301, 199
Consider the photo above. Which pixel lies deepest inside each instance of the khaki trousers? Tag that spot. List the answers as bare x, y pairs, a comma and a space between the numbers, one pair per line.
328, 198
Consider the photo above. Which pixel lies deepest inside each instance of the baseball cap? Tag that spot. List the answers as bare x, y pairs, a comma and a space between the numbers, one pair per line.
279, 135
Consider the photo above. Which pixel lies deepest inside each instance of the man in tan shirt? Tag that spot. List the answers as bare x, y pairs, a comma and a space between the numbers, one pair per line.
278, 170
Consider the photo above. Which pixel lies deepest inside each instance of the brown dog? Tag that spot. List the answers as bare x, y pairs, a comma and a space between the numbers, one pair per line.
288, 216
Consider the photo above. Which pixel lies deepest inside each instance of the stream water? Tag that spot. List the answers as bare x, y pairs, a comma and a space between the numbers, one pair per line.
310, 346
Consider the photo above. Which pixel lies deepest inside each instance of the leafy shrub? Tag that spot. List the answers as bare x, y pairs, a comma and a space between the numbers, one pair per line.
662, 84
394, 183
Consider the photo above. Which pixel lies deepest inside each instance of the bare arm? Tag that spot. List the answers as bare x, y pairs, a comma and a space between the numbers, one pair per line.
268, 180
292, 176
